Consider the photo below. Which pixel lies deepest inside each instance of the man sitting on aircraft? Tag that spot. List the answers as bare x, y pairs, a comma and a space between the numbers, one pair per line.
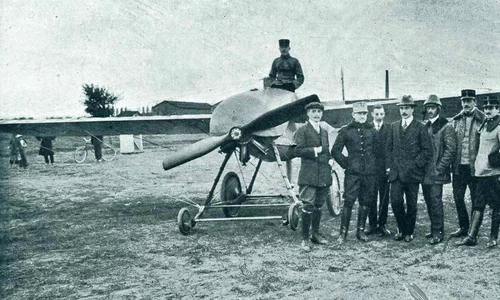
315, 177
286, 71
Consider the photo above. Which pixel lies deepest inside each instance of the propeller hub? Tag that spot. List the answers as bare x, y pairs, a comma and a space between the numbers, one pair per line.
236, 133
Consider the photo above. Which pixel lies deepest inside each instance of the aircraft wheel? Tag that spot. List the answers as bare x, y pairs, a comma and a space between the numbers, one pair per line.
334, 201
231, 194
184, 221
293, 216
80, 154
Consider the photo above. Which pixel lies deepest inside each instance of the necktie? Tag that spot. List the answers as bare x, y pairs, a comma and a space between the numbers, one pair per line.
404, 125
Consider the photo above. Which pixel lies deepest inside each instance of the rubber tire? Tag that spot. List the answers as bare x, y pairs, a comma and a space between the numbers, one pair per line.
334, 201
293, 216
230, 194
80, 152
184, 221
108, 153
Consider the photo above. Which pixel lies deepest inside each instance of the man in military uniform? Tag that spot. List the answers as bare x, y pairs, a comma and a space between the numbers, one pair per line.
358, 138
487, 172
409, 150
286, 71
315, 175
376, 222
438, 171
466, 125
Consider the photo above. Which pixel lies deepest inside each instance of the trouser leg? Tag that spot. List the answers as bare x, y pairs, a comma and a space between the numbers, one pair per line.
411, 193
352, 185
52, 158
459, 184
46, 158
384, 201
397, 204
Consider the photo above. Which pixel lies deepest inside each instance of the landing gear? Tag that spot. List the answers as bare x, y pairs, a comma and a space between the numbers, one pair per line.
184, 221
293, 216
231, 194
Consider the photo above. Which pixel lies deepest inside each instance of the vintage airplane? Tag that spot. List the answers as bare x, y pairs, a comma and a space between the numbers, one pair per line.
250, 124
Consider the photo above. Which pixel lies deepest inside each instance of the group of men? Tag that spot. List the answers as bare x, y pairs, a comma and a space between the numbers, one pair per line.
389, 162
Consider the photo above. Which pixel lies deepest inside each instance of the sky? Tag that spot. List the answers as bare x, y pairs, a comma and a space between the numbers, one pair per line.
148, 51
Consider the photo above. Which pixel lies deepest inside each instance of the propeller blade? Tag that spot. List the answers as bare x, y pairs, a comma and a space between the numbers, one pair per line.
280, 115
194, 151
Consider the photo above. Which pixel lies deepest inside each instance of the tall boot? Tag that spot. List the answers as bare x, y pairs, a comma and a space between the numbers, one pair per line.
471, 238
316, 237
306, 224
344, 224
360, 228
495, 224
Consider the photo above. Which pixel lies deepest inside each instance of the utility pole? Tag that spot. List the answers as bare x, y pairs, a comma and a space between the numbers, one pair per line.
386, 84
342, 79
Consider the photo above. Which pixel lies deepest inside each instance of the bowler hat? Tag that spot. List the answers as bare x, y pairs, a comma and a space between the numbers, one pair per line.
406, 100
359, 107
468, 94
490, 101
314, 105
284, 43
432, 100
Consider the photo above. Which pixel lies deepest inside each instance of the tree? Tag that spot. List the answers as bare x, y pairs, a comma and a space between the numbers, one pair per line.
98, 100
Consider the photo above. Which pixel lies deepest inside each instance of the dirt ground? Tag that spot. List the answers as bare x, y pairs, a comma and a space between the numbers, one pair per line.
108, 231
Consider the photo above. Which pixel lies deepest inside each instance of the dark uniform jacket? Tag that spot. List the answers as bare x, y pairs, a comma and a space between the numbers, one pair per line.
284, 69
314, 171
380, 147
478, 118
46, 146
359, 140
408, 152
443, 151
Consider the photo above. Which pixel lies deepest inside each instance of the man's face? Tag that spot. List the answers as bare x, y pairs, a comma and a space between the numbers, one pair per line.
285, 50
360, 117
378, 115
490, 111
405, 111
468, 104
431, 110
315, 114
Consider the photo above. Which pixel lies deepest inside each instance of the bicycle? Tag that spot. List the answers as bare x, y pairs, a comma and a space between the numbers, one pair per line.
81, 153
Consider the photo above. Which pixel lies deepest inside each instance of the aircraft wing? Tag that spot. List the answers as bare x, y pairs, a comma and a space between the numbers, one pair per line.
178, 124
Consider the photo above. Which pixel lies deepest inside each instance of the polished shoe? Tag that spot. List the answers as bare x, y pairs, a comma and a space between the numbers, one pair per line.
318, 239
383, 231
459, 232
468, 241
429, 235
305, 246
435, 240
408, 238
398, 236
491, 243
370, 230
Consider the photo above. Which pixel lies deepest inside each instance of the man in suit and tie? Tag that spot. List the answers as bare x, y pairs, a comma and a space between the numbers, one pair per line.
409, 150
315, 174
358, 138
376, 222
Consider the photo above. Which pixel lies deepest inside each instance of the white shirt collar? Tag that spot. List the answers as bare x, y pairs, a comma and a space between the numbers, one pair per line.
315, 125
378, 125
407, 121
434, 119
